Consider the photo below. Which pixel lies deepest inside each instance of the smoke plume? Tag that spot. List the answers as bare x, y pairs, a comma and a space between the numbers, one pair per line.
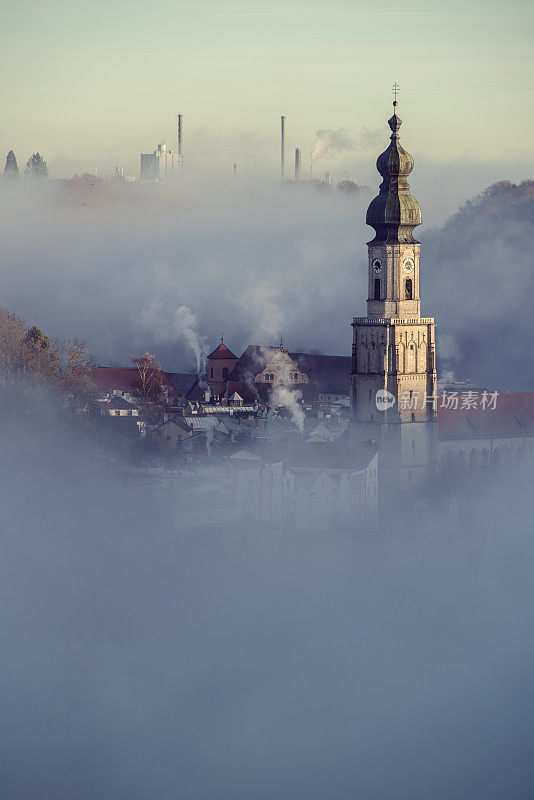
330, 142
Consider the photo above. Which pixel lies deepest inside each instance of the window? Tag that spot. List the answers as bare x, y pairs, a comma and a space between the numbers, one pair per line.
225, 373
211, 372
413, 417
408, 291
377, 288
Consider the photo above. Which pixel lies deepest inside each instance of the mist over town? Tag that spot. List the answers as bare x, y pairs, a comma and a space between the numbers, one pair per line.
267, 394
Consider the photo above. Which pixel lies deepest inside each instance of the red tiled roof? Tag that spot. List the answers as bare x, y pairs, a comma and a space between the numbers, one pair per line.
513, 416
122, 378
222, 352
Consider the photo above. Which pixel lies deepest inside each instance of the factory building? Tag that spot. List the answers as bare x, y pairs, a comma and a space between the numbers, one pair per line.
157, 166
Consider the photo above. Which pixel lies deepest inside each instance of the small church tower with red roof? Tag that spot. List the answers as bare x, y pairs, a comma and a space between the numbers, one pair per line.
220, 364
393, 383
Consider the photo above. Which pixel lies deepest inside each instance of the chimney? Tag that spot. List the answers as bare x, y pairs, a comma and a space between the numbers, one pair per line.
283, 148
179, 142
298, 163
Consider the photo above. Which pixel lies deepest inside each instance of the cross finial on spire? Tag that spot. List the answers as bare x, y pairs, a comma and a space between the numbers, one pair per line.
222, 338
281, 343
395, 90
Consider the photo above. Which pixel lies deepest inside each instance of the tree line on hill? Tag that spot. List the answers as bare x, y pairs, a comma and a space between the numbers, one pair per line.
31, 363
43, 375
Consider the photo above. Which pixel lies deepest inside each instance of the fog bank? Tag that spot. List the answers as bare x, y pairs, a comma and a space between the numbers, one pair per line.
166, 268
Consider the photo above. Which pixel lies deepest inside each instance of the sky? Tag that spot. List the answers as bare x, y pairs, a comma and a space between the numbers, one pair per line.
96, 84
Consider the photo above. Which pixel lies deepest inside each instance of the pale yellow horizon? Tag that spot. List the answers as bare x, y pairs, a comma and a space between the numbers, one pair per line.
99, 84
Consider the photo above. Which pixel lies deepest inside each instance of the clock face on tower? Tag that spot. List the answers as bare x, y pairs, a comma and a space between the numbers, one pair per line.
377, 265
408, 265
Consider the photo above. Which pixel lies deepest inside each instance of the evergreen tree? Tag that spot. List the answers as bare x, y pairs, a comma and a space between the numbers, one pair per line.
37, 340
36, 167
11, 169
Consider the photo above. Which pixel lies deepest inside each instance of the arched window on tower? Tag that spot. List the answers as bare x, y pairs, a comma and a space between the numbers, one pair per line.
408, 291
377, 288
225, 373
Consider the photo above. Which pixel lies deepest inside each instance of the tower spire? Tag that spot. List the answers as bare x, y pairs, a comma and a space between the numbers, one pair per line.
394, 213
393, 346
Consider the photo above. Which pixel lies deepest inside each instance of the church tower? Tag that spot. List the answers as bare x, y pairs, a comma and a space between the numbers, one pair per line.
393, 382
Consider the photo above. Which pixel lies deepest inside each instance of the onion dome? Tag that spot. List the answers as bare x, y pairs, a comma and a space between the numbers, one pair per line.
394, 213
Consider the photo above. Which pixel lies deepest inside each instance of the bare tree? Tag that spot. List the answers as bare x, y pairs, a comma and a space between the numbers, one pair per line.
71, 364
29, 359
13, 348
148, 387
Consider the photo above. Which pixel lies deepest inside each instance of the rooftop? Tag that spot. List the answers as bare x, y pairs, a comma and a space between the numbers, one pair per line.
513, 415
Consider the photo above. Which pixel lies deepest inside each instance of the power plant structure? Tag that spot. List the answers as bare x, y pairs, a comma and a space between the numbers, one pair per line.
158, 165
282, 147
298, 164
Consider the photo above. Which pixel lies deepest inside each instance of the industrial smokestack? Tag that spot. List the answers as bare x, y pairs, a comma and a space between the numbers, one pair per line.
179, 142
298, 163
283, 147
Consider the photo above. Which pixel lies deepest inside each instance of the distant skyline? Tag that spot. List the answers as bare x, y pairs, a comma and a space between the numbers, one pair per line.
101, 83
